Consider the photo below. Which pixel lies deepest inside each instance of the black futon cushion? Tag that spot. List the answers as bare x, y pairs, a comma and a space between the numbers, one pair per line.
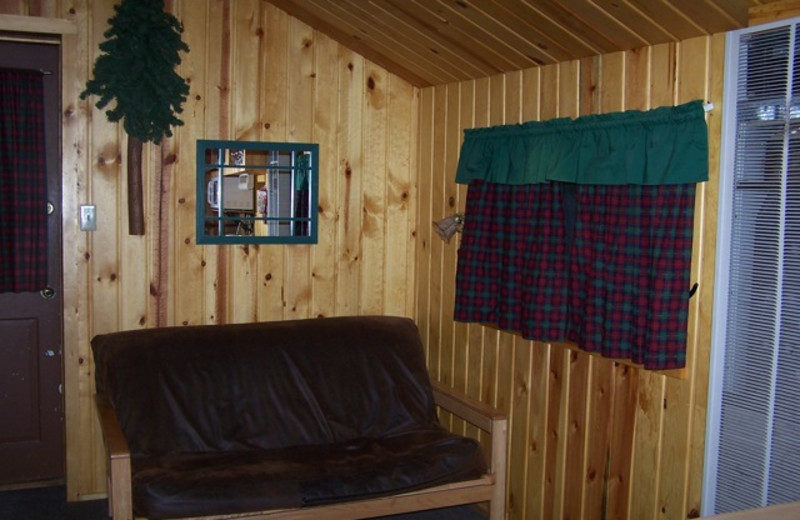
236, 482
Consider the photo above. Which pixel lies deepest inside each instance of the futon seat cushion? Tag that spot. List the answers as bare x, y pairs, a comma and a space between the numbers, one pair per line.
235, 482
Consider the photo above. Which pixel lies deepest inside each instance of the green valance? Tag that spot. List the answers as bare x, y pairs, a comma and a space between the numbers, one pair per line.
666, 145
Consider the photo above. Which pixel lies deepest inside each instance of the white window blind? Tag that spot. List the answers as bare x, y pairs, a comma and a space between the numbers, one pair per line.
753, 441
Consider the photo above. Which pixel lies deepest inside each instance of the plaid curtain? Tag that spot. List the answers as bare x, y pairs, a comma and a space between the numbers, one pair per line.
629, 272
604, 266
23, 182
512, 262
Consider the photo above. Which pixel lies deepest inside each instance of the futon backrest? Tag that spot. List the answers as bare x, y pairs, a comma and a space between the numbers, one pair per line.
264, 385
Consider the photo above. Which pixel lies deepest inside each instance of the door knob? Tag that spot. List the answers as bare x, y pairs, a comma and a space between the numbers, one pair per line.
47, 293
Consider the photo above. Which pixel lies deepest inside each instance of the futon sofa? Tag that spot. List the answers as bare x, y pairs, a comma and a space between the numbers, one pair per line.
320, 418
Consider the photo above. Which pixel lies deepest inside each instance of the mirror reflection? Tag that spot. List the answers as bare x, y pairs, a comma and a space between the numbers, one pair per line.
256, 192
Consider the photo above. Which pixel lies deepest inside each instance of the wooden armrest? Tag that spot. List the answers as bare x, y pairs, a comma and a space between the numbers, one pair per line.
113, 438
482, 415
119, 461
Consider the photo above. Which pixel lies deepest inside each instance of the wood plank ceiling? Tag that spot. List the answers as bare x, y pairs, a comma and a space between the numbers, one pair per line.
432, 42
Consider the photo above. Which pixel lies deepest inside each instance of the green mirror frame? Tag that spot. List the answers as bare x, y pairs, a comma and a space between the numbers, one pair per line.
252, 192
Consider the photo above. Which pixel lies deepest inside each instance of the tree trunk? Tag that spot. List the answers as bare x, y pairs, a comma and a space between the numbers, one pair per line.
135, 193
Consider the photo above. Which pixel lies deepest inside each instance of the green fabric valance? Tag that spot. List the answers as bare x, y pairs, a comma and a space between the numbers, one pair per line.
666, 145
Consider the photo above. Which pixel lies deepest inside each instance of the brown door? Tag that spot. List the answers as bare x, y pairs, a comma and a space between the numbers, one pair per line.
31, 397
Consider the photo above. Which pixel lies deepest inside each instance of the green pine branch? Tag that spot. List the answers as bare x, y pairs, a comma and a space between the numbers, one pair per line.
137, 70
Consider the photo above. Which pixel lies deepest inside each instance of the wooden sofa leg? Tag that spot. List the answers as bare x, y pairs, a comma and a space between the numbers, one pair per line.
119, 489
120, 500
497, 507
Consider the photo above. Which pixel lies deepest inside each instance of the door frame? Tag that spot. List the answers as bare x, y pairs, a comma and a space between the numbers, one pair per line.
74, 274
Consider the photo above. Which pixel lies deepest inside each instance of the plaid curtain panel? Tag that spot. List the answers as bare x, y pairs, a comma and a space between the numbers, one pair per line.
629, 272
23, 182
512, 269
604, 266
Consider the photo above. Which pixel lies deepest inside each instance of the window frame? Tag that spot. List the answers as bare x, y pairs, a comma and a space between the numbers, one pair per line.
747, 377
203, 167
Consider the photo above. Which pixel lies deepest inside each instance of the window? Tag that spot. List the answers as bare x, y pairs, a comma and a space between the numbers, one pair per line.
581, 230
754, 414
256, 192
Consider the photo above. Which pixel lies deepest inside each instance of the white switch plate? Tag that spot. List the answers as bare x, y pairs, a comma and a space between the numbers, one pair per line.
88, 217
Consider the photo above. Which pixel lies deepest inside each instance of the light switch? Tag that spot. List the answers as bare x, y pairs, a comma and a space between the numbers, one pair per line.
88, 217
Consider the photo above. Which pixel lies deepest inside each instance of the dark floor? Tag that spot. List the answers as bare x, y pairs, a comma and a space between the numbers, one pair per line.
50, 504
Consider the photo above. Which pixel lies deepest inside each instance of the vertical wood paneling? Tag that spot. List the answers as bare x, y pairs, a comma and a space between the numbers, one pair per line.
274, 63
299, 124
373, 198
519, 429
461, 362
189, 273
326, 111
538, 503
160, 240
619, 479
438, 209
413, 192
257, 74
707, 267
106, 151
349, 136
400, 192
574, 441
132, 267
424, 233
452, 146
218, 121
245, 48
84, 466
589, 438
681, 393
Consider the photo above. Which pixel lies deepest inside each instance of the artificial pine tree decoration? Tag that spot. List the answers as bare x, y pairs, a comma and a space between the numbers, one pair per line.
137, 71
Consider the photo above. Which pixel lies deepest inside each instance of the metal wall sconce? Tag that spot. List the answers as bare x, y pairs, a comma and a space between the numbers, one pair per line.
449, 226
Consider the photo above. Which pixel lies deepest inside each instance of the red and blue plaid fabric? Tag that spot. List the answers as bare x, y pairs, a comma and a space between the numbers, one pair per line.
23, 182
604, 266
512, 268
629, 272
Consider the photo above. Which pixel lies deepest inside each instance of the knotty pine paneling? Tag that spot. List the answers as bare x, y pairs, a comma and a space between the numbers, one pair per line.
589, 438
435, 42
255, 74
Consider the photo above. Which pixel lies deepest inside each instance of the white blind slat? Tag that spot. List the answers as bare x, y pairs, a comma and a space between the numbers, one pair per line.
759, 419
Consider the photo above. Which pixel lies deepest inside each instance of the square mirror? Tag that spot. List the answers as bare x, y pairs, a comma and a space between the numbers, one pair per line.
256, 192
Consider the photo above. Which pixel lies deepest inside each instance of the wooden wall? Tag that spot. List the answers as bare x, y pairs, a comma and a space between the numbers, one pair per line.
589, 438
255, 74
